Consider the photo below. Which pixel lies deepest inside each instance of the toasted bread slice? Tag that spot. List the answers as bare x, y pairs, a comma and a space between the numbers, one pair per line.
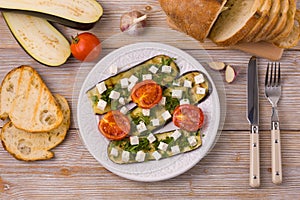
28, 146
188, 15
289, 23
235, 22
27, 101
273, 17
264, 10
282, 18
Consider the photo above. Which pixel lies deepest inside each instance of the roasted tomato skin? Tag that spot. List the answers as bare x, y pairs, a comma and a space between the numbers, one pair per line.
86, 47
146, 94
114, 125
188, 117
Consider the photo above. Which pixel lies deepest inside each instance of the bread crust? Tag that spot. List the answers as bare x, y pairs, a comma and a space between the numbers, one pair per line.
28, 146
188, 15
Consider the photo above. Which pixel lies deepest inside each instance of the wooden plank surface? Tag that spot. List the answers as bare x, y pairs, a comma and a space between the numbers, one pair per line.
222, 174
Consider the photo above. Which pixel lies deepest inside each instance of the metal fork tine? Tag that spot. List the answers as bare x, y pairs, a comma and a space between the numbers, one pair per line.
267, 75
271, 75
274, 81
278, 83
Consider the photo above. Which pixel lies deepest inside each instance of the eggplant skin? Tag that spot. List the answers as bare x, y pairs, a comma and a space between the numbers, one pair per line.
52, 18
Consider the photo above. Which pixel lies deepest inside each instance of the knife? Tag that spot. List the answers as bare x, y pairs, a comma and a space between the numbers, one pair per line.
253, 118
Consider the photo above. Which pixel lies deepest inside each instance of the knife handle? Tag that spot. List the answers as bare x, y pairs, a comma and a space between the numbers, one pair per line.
254, 158
276, 154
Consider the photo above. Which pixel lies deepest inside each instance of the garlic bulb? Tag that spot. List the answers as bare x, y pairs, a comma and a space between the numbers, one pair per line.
133, 22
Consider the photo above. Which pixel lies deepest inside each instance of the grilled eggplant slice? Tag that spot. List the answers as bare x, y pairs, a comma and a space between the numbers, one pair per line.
38, 38
122, 83
190, 93
165, 145
76, 14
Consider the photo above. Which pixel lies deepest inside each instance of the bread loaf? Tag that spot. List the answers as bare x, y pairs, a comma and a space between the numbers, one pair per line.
27, 101
28, 146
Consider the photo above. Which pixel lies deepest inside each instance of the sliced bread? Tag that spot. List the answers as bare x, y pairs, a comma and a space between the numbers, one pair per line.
28, 146
189, 17
234, 23
272, 20
282, 18
27, 101
264, 10
289, 22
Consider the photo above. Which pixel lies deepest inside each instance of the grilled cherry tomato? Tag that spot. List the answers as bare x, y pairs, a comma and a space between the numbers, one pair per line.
188, 117
146, 94
114, 125
86, 47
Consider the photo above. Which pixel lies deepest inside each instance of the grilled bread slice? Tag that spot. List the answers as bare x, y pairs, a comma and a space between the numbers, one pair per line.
188, 15
235, 22
282, 18
28, 146
289, 23
273, 17
264, 10
27, 101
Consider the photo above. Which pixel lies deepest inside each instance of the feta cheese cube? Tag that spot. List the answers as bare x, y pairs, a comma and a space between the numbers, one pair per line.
177, 94
113, 69
133, 79
114, 95
140, 156
166, 69
101, 87
146, 112
114, 152
125, 156
200, 90
130, 86
187, 83
124, 82
124, 110
199, 79
147, 77
134, 140
184, 101
175, 150
156, 155
153, 69
175, 135
151, 138
163, 101
122, 101
166, 115
176, 83
162, 146
101, 104
192, 140
141, 127
155, 122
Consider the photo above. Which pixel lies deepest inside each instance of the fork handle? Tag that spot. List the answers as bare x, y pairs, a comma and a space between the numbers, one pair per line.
276, 154
254, 158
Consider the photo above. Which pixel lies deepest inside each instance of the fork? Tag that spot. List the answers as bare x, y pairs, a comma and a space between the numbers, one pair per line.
273, 93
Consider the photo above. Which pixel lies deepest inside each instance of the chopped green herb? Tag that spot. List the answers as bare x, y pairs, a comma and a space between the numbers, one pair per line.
171, 103
105, 95
95, 99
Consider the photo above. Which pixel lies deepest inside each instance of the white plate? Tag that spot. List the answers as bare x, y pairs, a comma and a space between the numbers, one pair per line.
96, 144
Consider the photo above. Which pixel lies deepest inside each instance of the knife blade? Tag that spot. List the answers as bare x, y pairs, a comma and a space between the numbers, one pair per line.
253, 118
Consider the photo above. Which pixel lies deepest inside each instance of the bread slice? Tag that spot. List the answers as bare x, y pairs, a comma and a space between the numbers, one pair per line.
194, 17
27, 101
293, 38
273, 17
234, 23
264, 10
289, 22
282, 18
28, 146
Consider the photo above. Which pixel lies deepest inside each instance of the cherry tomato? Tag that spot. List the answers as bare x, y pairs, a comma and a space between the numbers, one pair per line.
114, 125
188, 117
146, 94
86, 47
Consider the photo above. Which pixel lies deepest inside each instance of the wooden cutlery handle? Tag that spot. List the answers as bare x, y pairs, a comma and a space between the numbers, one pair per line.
276, 155
254, 159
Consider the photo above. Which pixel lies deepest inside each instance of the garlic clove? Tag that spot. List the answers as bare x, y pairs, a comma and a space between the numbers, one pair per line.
133, 22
